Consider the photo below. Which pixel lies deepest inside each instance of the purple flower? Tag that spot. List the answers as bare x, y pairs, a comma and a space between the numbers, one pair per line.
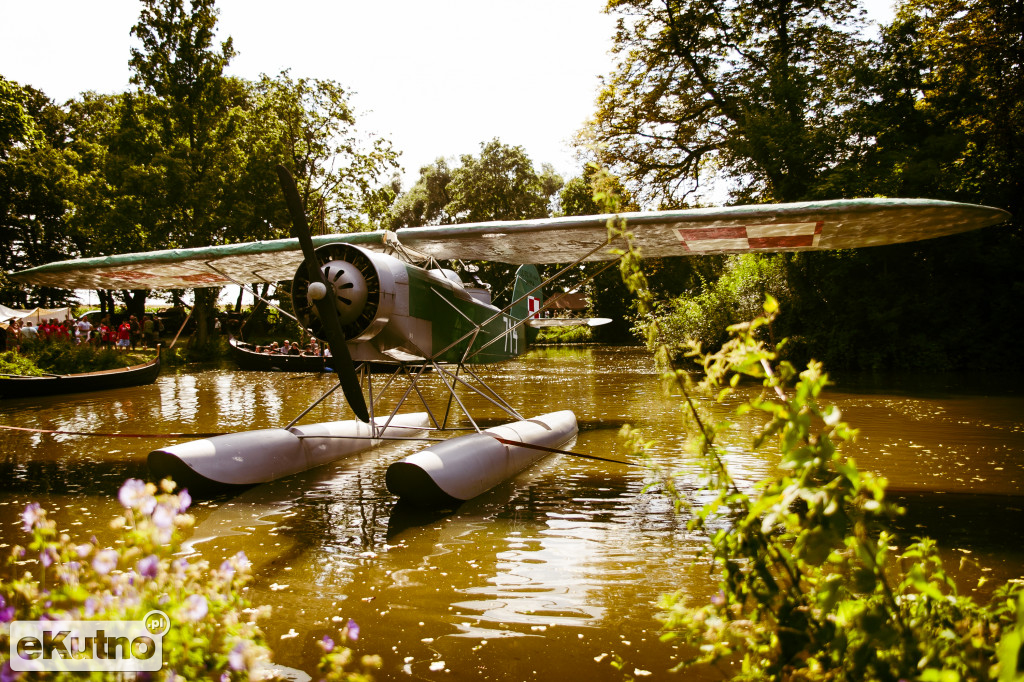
32, 515
105, 561
6, 612
7, 674
148, 566
236, 657
241, 562
47, 557
352, 630
163, 517
195, 608
134, 494
327, 644
184, 501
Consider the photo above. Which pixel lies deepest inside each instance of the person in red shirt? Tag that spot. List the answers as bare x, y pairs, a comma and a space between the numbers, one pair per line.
124, 331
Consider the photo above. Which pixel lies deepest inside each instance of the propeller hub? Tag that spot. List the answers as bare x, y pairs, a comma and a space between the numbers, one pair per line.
349, 286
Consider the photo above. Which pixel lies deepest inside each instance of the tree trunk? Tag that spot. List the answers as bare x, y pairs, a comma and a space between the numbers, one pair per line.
135, 302
206, 299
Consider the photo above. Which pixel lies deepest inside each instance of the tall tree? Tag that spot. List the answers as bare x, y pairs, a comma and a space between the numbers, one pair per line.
501, 184
36, 182
310, 126
426, 202
196, 110
752, 90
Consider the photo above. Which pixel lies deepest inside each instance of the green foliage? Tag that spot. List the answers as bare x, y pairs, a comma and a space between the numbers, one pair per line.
579, 333
213, 632
12, 362
61, 357
754, 90
812, 584
704, 317
500, 184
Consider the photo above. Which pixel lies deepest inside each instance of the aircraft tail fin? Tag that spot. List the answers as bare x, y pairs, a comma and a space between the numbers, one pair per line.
526, 293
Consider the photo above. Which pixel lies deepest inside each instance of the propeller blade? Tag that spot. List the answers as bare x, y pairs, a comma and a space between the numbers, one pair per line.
326, 306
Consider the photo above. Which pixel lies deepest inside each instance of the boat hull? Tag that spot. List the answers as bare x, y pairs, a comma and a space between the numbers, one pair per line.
462, 468
59, 384
252, 457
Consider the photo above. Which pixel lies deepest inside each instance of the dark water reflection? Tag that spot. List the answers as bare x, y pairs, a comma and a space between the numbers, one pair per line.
547, 576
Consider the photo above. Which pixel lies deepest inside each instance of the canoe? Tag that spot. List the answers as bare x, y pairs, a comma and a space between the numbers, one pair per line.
249, 359
21, 386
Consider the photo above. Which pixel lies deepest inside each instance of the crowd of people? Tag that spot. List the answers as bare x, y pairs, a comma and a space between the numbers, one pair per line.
127, 334
293, 348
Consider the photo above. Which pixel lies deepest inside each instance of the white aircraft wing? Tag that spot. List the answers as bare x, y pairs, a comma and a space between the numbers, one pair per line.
766, 228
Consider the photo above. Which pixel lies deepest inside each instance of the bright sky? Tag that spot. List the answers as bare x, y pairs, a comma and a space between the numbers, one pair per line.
436, 77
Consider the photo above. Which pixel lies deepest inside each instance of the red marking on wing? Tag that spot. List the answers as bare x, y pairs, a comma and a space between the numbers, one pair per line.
202, 278
130, 275
700, 234
781, 242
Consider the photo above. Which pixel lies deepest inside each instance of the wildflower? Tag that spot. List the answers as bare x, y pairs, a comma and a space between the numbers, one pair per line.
184, 501
47, 557
32, 515
163, 516
105, 561
195, 608
7, 674
236, 657
6, 612
327, 644
351, 630
148, 566
135, 494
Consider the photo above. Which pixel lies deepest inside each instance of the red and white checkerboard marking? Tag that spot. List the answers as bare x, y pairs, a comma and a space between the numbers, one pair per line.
533, 307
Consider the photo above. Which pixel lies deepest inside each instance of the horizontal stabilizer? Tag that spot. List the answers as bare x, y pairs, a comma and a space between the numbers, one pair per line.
540, 323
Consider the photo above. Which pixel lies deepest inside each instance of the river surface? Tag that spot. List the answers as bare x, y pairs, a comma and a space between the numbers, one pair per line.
548, 576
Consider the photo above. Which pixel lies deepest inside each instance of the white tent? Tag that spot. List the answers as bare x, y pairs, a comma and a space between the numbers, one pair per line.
36, 315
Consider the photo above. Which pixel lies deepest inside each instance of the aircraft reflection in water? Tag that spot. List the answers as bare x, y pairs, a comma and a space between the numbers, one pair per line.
385, 297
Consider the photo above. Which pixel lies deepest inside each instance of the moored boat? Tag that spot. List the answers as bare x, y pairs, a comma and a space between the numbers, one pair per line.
23, 386
248, 358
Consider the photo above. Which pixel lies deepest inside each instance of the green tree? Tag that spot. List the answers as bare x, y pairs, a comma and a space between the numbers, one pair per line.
310, 126
196, 110
755, 91
36, 181
501, 184
426, 202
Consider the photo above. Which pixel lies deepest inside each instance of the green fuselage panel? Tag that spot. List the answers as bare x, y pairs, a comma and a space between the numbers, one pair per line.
455, 316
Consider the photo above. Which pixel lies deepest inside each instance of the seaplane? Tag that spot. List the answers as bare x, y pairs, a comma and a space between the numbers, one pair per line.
389, 297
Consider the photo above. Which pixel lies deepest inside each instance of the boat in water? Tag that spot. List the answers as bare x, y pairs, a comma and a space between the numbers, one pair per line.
25, 386
246, 356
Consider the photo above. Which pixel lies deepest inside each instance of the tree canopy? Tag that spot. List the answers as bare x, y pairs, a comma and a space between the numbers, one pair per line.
186, 158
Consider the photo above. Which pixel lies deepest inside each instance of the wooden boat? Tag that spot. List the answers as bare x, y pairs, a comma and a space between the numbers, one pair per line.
247, 358
22, 386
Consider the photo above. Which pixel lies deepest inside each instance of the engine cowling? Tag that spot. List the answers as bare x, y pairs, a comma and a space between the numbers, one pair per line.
364, 291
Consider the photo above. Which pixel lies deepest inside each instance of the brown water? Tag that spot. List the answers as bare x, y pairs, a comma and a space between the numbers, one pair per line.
546, 577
